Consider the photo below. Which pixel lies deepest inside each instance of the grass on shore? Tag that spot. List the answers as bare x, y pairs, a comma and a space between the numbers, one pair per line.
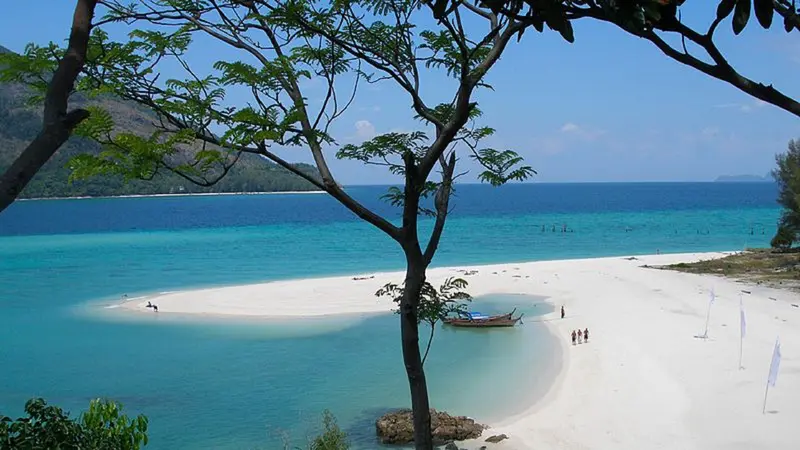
761, 266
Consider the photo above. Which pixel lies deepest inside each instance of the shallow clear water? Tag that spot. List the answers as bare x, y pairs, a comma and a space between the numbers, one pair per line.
232, 385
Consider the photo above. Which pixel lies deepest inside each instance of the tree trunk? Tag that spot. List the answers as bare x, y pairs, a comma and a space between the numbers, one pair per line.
57, 124
35, 155
409, 331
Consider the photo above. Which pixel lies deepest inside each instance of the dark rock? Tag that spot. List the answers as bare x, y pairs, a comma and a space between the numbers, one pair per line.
483, 447
497, 438
397, 428
451, 446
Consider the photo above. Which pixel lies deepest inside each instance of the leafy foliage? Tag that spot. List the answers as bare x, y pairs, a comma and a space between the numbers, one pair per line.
200, 135
20, 123
332, 437
434, 305
642, 15
102, 426
391, 150
380, 149
30, 68
787, 176
502, 166
783, 239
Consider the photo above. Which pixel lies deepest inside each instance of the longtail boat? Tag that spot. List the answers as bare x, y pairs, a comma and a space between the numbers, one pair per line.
476, 319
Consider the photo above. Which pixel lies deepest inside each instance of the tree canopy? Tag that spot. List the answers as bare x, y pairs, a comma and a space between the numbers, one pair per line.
21, 122
201, 136
787, 176
660, 22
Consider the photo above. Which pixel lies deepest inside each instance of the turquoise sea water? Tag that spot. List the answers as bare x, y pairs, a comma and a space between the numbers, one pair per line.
235, 384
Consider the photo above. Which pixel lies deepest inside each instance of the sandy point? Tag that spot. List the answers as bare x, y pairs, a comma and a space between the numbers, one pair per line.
643, 381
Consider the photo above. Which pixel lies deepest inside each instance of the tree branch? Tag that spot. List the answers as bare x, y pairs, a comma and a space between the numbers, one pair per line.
721, 69
373, 60
441, 201
430, 341
462, 103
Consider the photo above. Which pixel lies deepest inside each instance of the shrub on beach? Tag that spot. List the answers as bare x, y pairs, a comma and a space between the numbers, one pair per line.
332, 437
103, 426
783, 239
787, 176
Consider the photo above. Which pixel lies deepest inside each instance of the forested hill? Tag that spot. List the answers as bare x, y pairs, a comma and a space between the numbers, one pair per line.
19, 124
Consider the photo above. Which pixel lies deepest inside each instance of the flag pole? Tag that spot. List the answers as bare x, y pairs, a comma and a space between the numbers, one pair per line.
741, 329
774, 367
708, 314
740, 351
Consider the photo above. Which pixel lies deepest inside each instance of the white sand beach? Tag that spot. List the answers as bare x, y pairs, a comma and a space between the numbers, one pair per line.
643, 381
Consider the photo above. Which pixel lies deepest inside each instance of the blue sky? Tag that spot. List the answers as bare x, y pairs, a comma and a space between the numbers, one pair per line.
609, 107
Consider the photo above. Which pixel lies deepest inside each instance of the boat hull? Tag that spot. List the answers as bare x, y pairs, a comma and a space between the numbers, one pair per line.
504, 320
480, 323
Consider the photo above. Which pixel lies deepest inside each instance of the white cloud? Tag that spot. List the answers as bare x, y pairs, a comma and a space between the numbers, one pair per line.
568, 136
743, 107
365, 129
583, 133
569, 127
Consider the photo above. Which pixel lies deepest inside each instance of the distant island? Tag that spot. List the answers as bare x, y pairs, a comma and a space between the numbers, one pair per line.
744, 179
19, 124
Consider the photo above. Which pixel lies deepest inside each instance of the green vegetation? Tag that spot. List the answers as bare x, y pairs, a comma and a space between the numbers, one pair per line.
761, 266
20, 123
434, 304
200, 137
101, 427
332, 437
104, 427
787, 175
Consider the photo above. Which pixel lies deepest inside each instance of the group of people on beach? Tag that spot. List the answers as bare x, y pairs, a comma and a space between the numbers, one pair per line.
580, 336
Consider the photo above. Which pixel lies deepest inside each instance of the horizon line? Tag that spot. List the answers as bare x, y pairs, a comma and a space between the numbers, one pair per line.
478, 183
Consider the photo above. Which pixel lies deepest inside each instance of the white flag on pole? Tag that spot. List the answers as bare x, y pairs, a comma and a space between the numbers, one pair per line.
775, 365
742, 320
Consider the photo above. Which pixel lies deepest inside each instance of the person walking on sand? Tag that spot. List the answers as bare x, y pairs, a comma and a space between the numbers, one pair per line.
562, 311
585, 335
580, 337
574, 337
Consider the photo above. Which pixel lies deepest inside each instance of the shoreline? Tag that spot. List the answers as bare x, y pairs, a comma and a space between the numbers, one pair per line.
298, 295
195, 194
669, 389
642, 381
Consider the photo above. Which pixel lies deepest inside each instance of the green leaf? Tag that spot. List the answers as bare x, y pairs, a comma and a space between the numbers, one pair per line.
741, 16
764, 12
98, 125
501, 166
725, 8
434, 304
